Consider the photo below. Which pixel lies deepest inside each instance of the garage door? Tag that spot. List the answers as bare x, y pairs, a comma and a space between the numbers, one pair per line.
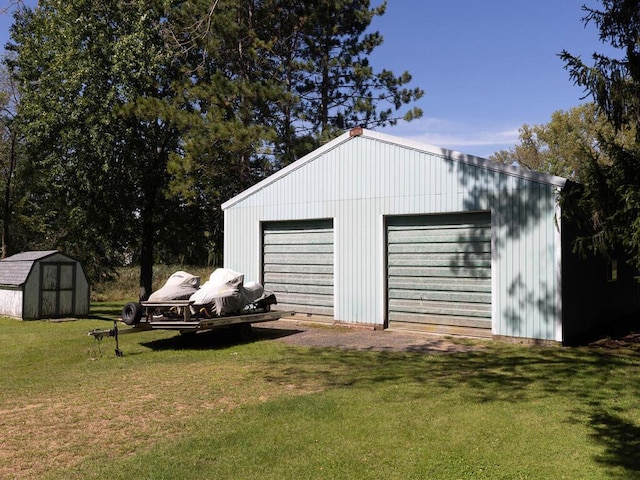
298, 265
439, 272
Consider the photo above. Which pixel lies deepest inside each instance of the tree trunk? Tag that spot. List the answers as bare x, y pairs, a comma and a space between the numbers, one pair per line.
146, 253
150, 191
6, 218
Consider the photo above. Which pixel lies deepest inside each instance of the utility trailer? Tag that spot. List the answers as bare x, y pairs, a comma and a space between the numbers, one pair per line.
177, 315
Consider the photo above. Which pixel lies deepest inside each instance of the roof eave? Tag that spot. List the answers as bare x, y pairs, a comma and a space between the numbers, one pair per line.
411, 144
469, 159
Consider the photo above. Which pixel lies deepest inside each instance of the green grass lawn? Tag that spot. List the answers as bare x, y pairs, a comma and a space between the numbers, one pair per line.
211, 406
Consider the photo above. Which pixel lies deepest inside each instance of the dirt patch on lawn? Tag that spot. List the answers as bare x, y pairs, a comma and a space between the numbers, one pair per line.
305, 334
622, 343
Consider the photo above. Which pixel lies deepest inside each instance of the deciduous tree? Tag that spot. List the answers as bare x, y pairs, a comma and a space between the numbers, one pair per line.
142, 117
566, 145
81, 68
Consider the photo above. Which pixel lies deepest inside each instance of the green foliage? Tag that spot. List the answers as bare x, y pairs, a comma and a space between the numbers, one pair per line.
612, 190
141, 118
567, 145
79, 65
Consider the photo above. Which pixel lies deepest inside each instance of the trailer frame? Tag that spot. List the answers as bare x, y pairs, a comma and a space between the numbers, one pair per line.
187, 325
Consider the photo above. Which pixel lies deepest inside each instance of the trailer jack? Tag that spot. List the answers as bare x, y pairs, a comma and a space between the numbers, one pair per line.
110, 332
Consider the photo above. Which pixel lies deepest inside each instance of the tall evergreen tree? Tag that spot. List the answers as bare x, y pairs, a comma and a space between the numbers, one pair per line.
611, 191
227, 84
312, 58
323, 51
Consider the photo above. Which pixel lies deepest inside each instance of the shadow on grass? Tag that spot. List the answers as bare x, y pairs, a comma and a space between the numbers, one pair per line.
108, 311
593, 386
620, 439
218, 338
588, 386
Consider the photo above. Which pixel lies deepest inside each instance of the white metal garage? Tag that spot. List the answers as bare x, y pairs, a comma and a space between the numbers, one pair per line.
420, 237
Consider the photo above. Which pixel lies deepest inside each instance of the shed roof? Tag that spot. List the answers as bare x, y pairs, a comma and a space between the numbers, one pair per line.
14, 270
404, 143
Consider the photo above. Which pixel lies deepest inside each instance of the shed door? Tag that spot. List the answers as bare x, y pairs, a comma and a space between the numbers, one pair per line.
57, 289
298, 265
439, 272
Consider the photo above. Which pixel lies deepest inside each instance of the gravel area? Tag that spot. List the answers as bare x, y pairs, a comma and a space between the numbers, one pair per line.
300, 333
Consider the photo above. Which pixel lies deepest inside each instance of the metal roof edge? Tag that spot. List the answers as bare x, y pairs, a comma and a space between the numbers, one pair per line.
469, 159
401, 142
287, 170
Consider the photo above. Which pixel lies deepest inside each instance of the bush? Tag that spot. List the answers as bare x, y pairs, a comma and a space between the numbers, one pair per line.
126, 285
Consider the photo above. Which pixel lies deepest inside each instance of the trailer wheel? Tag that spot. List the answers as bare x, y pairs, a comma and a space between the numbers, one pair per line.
132, 313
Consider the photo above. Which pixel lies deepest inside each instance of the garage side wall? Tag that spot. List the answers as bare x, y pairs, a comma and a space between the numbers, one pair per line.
594, 299
361, 181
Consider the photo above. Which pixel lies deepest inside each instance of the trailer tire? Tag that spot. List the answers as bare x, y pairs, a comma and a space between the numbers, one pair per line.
132, 313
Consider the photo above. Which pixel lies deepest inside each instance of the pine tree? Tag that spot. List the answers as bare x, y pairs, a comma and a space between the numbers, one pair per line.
611, 193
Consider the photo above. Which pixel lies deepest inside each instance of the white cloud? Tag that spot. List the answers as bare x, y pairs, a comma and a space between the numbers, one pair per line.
481, 140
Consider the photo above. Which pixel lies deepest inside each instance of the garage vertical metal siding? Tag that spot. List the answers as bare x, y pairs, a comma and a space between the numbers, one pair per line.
357, 181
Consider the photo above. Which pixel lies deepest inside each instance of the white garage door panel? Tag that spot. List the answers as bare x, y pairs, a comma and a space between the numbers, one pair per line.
298, 265
439, 270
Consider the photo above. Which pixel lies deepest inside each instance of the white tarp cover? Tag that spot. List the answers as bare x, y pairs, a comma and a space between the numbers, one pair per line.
221, 282
252, 291
180, 286
225, 290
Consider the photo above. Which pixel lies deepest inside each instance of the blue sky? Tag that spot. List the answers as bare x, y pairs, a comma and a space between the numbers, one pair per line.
487, 67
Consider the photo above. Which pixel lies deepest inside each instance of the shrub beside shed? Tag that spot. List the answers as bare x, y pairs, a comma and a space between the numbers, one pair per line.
43, 284
379, 231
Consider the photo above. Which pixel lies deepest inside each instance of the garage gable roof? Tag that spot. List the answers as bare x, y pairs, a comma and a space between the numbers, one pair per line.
404, 143
14, 270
